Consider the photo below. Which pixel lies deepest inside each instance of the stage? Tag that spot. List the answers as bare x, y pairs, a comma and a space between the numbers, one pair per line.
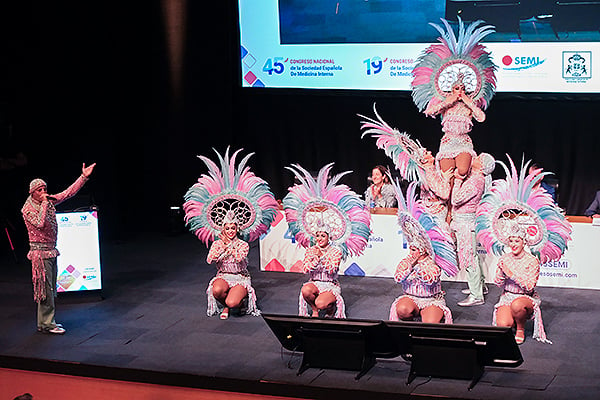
151, 326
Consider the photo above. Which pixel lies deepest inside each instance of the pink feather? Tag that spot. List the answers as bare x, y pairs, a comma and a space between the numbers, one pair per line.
441, 50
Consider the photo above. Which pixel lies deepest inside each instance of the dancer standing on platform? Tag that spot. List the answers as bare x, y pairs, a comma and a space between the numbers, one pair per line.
518, 212
464, 199
39, 213
331, 222
418, 273
380, 193
456, 80
227, 203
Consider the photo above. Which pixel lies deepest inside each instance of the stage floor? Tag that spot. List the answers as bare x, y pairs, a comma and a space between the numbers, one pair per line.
151, 325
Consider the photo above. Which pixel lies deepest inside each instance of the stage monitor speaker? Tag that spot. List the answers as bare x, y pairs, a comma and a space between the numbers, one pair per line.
454, 351
344, 344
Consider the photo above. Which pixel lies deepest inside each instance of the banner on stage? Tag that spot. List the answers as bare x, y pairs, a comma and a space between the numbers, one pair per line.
578, 268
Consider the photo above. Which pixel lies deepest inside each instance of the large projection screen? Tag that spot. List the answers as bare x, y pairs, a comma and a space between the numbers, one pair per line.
539, 47
78, 244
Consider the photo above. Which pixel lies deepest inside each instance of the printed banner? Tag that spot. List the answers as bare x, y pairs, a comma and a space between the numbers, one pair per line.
578, 268
284, 45
78, 244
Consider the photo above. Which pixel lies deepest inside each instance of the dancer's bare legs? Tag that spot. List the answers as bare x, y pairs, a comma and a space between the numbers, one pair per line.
515, 315
229, 297
318, 301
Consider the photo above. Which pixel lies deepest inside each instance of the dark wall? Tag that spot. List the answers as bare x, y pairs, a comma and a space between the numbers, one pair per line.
90, 82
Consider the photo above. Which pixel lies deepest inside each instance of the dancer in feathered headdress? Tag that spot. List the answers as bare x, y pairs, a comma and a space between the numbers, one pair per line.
414, 162
227, 203
456, 79
431, 251
517, 212
331, 222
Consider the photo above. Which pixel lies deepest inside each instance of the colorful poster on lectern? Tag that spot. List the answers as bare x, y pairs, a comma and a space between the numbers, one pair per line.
79, 260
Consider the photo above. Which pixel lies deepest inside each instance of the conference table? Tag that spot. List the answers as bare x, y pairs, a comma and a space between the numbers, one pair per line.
579, 267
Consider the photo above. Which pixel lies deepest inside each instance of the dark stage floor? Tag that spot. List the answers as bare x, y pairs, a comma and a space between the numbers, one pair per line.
153, 319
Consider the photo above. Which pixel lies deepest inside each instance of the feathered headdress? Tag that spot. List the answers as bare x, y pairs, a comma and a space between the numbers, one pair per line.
317, 203
517, 200
404, 152
229, 194
422, 230
454, 58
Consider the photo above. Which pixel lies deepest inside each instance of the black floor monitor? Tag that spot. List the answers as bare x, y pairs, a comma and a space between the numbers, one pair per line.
345, 344
437, 350
454, 351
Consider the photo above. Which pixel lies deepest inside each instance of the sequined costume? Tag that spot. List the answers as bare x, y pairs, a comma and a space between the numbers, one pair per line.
457, 59
435, 193
232, 266
229, 193
466, 195
524, 273
421, 282
456, 139
322, 204
518, 207
42, 228
323, 273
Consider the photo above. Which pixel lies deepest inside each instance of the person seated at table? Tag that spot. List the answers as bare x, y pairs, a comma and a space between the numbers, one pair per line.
323, 291
593, 209
380, 193
423, 296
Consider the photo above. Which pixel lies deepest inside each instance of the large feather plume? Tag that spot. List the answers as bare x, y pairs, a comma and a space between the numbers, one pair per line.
226, 181
518, 192
452, 48
338, 202
404, 152
418, 225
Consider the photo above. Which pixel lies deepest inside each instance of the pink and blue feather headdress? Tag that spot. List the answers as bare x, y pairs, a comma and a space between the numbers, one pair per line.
422, 230
516, 199
455, 57
229, 193
404, 152
322, 204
